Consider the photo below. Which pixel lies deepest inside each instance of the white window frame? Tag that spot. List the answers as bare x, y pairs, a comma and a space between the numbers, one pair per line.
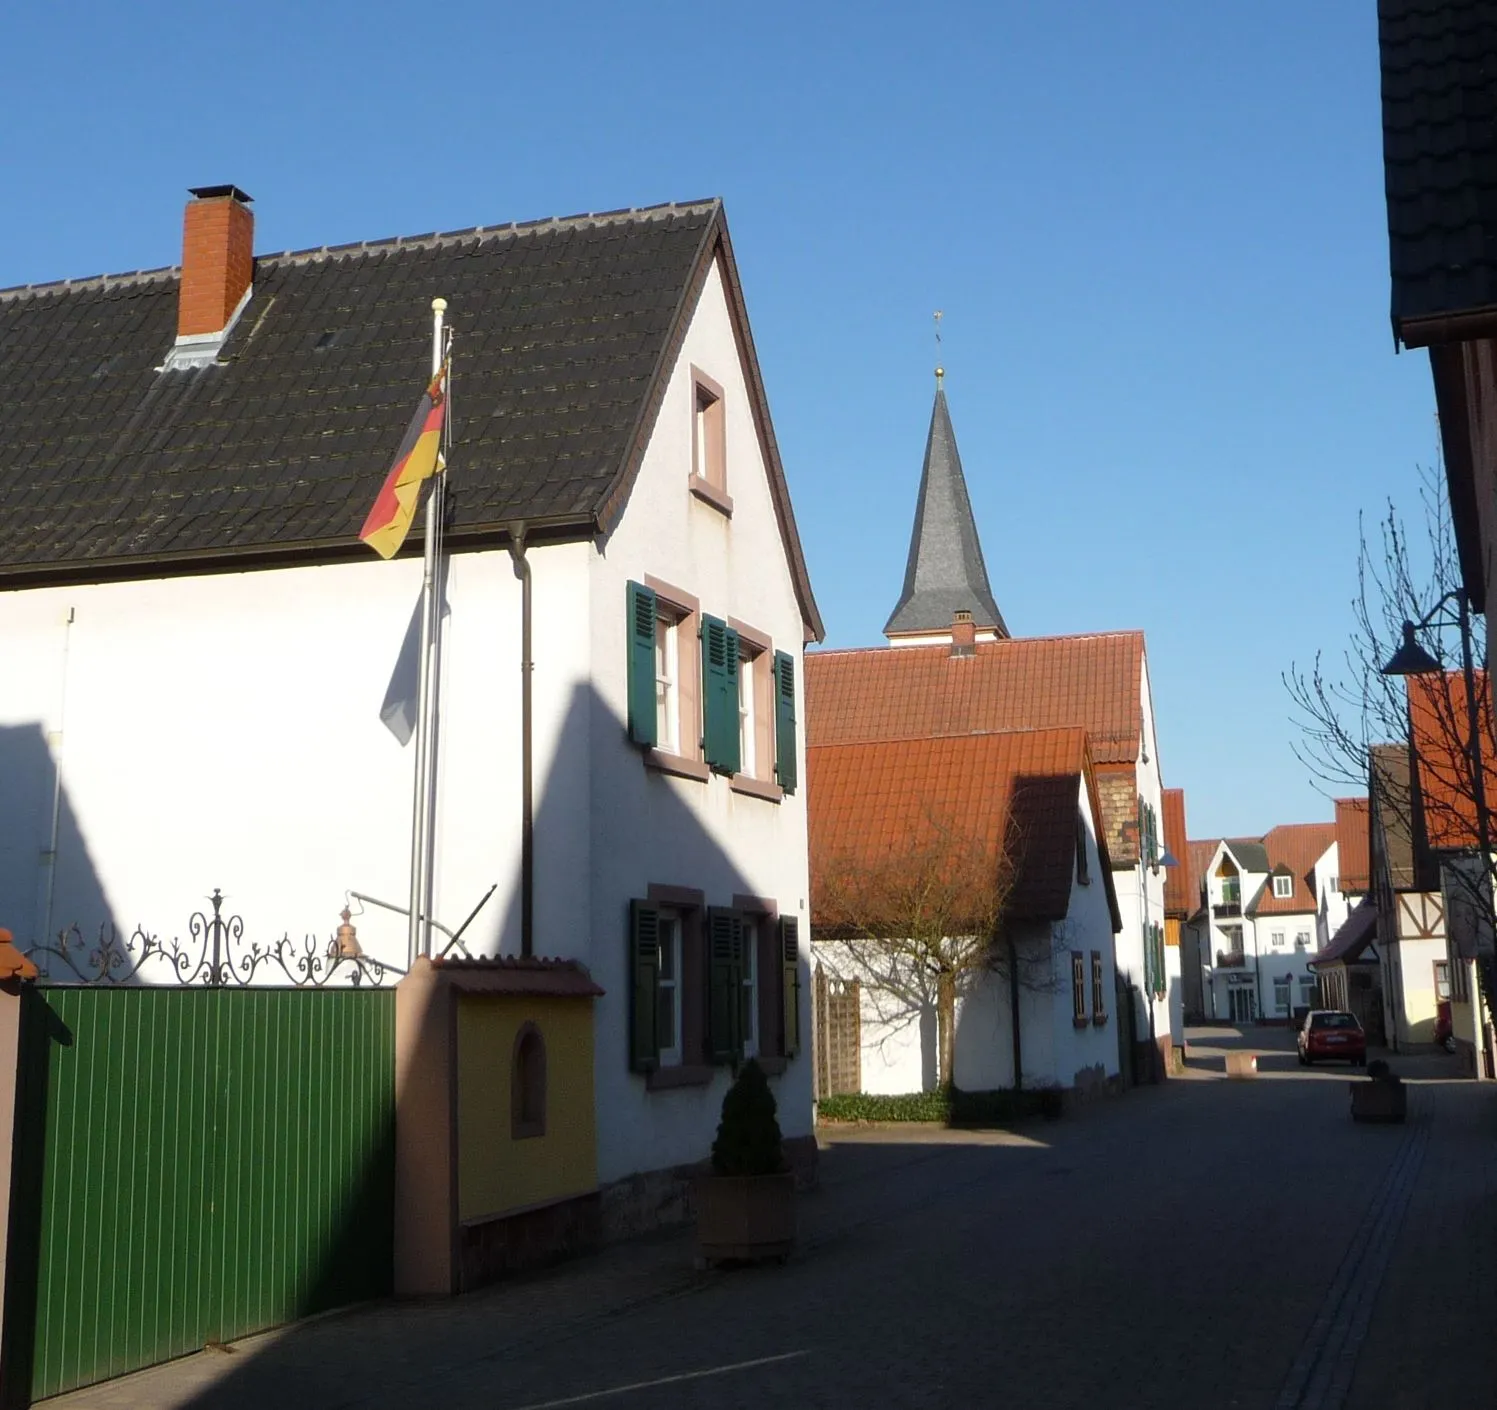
1283, 888
750, 984
1276, 938
667, 684
1301, 939
669, 990
1283, 996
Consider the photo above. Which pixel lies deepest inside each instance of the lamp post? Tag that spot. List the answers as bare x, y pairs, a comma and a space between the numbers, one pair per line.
1411, 659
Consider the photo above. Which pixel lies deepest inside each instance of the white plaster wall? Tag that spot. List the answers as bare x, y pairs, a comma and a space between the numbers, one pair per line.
1415, 988
648, 827
1274, 963
224, 730
1140, 889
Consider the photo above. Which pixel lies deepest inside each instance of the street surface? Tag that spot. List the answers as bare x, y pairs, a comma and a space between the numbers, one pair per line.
1206, 1243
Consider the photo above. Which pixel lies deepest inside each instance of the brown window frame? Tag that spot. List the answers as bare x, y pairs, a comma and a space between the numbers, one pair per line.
1449, 991
755, 665
1079, 1015
709, 442
527, 1084
1099, 999
769, 999
684, 609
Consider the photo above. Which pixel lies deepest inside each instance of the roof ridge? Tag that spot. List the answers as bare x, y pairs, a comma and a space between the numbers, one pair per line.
1005, 644
431, 240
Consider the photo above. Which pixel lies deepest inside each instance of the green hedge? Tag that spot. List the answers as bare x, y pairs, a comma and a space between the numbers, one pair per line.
953, 1107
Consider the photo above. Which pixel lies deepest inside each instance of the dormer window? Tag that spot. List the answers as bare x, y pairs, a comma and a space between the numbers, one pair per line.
709, 442
1283, 887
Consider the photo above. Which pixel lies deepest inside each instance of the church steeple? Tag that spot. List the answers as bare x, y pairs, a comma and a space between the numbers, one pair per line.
945, 573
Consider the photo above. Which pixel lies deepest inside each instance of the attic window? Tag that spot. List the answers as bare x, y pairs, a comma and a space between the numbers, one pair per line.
709, 442
327, 340
1283, 887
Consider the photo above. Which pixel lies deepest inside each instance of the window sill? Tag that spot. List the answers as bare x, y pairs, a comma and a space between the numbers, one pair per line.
1080, 1022
664, 1079
1099, 1019
677, 764
757, 788
709, 493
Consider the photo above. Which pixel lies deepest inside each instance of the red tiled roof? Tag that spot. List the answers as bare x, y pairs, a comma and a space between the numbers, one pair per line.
1295, 847
1351, 845
871, 803
1437, 724
510, 974
1179, 899
1027, 683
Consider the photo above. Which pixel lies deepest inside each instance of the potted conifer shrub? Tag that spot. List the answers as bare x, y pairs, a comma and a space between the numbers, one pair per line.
745, 1207
1379, 1096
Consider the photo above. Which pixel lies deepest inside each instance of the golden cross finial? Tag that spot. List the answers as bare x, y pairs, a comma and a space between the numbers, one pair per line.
940, 371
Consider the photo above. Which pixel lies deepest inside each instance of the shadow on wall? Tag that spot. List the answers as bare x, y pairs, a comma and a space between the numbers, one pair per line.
48, 882
642, 829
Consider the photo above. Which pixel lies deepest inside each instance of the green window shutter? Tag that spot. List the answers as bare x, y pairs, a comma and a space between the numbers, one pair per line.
786, 754
724, 984
720, 695
790, 985
644, 985
642, 664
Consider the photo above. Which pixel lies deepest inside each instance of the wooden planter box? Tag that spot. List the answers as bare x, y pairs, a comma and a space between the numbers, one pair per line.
744, 1216
1374, 1100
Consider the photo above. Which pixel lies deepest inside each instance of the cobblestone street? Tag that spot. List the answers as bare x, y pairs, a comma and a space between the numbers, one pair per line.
1206, 1243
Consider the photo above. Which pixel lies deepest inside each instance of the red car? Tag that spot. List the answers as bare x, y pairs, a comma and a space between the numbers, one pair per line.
1329, 1033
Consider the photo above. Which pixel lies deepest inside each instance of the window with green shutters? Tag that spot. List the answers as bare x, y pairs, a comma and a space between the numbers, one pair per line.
641, 634
644, 986
786, 755
725, 965
790, 985
720, 721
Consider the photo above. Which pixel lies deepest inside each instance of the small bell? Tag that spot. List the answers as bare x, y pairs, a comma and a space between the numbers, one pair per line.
348, 939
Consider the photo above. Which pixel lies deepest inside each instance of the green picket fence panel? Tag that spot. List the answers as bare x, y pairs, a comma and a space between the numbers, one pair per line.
197, 1165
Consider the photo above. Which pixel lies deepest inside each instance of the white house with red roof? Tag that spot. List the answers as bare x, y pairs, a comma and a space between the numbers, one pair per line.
953, 669
1263, 900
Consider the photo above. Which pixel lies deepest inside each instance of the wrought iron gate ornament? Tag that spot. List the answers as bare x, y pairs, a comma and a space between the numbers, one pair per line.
216, 956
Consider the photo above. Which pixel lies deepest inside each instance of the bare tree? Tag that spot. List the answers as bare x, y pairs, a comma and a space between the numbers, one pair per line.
922, 918
1345, 709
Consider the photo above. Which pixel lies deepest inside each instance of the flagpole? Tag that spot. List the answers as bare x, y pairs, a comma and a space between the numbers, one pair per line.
419, 930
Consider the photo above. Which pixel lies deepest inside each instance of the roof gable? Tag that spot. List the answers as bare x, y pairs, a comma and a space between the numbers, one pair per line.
1292, 849
566, 333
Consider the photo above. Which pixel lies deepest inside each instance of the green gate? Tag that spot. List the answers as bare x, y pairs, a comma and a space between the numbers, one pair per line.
194, 1164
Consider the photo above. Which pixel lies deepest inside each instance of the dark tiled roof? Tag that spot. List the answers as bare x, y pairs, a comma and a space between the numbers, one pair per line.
945, 572
1293, 849
1352, 939
1351, 845
565, 333
873, 804
1439, 87
1179, 899
1249, 853
510, 974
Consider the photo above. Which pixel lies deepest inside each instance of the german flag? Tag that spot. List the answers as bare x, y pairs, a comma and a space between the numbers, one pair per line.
390, 519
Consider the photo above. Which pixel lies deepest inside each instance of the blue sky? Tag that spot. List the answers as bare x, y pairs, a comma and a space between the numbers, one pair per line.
1156, 230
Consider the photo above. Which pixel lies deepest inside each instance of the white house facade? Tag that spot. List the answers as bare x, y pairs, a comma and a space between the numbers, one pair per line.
196, 656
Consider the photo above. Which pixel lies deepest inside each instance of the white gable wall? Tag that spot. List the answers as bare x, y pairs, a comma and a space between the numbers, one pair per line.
674, 831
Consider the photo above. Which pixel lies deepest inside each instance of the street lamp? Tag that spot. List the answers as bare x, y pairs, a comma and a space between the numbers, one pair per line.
1411, 659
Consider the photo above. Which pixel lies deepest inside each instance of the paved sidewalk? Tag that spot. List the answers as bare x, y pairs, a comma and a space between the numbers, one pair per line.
1208, 1243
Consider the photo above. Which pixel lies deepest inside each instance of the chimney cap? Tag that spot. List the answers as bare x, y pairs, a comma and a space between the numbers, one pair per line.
961, 614
208, 193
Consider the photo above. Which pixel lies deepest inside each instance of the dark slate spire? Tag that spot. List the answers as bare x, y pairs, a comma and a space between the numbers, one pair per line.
945, 572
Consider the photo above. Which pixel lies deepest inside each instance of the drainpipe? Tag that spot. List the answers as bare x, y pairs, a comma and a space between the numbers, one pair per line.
527, 818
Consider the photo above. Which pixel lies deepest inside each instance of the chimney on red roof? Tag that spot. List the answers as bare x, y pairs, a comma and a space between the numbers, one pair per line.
218, 260
963, 633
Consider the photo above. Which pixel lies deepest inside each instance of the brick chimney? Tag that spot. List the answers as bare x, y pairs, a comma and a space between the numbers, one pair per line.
963, 634
218, 260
